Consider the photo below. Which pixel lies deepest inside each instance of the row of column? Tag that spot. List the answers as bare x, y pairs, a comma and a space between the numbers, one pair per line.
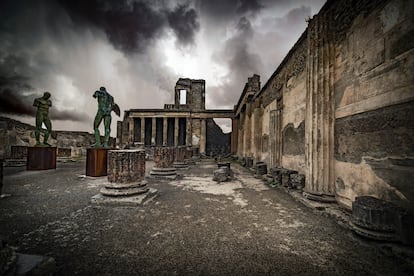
182, 132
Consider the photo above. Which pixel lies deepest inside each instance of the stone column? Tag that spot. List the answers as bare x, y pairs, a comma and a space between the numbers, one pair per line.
319, 122
176, 128
163, 163
234, 135
165, 131
189, 132
203, 137
143, 130
126, 184
131, 131
154, 130
180, 156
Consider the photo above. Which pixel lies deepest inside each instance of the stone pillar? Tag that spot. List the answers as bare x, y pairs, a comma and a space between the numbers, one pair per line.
163, 163
234, 135
203, 137
165, 131
176, 128
154, 130
189, 132
180, 156
143, 130
131, 131
319, 134
126, 184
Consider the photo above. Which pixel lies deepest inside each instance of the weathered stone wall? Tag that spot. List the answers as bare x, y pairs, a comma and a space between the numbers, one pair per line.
340, 106
15, 133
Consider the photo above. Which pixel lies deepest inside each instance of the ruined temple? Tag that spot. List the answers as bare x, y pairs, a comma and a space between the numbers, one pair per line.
339, 109
187, 122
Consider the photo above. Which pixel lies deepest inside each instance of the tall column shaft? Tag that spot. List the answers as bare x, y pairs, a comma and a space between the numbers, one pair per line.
320, 112
165, 131
131, 131
176, 128
142, 129
154, 130
203, 136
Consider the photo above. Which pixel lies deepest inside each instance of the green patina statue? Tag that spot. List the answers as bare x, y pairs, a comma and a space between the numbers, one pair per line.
106, 104
42, 117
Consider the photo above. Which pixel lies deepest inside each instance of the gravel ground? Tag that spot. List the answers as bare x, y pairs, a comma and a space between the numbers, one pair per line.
194, 227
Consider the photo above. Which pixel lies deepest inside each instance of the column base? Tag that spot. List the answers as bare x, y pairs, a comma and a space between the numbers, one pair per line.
327, 198
180, 165
122, 189
130, 200
163, 173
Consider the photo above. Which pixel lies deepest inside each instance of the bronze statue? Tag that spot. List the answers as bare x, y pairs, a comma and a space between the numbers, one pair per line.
42, 116
106, 104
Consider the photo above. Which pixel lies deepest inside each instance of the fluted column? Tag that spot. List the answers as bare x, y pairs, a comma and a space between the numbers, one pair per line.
131, 131
319, 123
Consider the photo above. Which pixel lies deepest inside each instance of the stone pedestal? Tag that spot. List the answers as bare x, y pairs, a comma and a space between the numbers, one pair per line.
180, 155
126, 184
96, 162
41, 158
163, 163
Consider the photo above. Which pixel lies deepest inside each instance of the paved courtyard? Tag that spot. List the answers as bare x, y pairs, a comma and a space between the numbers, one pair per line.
194, 227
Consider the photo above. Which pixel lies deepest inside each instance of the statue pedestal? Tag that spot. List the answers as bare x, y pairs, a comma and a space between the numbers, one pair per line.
41, 158
96, 162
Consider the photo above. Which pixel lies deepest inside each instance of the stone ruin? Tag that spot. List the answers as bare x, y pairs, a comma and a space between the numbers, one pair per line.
163, 163
126, 183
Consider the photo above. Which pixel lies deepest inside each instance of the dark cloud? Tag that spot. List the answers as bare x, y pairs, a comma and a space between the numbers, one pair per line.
133, 25
241, 61
184, 23
227, 10
12, 102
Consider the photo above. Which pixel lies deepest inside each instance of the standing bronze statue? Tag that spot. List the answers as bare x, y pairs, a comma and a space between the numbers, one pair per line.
42, 117
106, 104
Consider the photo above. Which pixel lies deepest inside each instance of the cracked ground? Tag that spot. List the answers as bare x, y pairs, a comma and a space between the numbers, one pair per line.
194, 227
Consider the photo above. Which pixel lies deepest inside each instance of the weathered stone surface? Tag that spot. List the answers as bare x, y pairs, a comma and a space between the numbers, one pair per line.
374, 218
261, 168
126, 166
297, 180
222, 174
163, 157
167, 173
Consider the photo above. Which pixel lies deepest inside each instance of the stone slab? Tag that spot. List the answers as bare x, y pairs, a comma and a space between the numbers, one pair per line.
96, 162
136, 200
41, 158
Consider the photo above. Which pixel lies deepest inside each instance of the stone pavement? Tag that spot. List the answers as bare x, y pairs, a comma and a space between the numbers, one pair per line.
195, 226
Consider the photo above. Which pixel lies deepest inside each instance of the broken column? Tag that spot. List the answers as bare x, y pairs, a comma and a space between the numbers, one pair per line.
126, 184
163, 163
180, 158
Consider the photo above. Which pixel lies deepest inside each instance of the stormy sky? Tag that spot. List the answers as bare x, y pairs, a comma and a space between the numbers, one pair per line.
137, 49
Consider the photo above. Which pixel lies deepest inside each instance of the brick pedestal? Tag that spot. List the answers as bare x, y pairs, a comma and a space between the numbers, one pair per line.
96, 162
41, 158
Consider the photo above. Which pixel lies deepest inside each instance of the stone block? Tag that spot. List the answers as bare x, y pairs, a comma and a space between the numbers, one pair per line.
221, 175
41, 158
261, 168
